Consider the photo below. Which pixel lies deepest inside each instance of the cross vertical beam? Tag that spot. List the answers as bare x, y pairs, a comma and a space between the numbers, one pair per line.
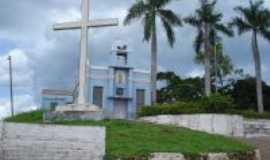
84, 52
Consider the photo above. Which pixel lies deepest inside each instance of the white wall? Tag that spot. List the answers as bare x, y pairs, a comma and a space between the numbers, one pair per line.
228, 125
257, 128
51, 142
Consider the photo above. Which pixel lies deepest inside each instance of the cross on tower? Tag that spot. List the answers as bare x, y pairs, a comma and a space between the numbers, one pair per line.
84, 25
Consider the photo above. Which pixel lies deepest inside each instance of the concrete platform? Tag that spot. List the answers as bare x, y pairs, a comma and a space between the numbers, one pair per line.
51, 142
75, 112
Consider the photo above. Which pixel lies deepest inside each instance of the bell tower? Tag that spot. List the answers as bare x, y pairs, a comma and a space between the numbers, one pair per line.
122, 55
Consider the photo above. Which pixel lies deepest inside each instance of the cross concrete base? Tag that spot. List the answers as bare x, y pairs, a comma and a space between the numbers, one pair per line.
79, 108
75, 112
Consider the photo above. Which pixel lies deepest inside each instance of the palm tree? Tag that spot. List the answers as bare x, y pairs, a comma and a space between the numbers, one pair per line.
255, 19
221, 64
149, 10
208, 23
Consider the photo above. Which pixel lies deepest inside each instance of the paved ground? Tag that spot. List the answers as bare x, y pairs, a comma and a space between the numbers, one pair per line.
263, 144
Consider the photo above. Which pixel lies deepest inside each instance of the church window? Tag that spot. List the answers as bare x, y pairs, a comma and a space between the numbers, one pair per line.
120, 91
120, 77
53, 106
98, 96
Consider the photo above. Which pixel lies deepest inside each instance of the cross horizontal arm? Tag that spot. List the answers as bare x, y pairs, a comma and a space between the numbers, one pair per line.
103, 22
67, 25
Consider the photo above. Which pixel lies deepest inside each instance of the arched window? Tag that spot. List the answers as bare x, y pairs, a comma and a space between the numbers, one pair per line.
120, 77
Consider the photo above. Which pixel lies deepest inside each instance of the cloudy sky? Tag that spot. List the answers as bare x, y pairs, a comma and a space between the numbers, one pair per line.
43, 58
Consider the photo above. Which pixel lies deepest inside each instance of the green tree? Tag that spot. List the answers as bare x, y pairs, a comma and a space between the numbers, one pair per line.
255, 19
221, 64
149, 11
177, 89
208, 23
243, 92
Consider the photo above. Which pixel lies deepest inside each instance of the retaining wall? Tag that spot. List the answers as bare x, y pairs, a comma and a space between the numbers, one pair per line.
253, 155
257, 128
51, 142
228, 125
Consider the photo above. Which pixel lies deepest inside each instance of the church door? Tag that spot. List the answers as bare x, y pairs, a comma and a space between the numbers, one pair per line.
98, 96
120, 109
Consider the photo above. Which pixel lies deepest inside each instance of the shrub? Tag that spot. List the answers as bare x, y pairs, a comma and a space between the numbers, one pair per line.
176, 108
217, 103
244, 94
256, 115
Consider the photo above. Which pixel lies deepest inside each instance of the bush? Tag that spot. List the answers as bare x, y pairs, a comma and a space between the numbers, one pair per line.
256, 115
176, 108
217, 103
244, 94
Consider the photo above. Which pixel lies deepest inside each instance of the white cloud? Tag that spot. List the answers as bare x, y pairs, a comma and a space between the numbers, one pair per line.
195, 72
22, 82
22, 103
22, 71
65, 15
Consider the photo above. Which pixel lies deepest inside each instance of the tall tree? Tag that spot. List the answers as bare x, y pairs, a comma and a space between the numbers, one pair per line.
149, 11
178, 89
208, 23
255, 19
221, 64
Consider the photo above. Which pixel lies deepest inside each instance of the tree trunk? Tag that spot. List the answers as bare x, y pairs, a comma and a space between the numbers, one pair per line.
154, 67
207, 64
257, 61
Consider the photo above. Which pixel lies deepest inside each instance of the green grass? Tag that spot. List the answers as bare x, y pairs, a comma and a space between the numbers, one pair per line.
130, 139
27, 117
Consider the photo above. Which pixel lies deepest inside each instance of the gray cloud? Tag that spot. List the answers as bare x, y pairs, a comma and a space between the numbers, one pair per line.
52, 57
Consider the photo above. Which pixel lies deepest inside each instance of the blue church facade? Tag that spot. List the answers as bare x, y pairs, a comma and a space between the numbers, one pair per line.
53, 98
118, 89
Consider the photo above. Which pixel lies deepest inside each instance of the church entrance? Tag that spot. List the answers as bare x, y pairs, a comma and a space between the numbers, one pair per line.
120, 109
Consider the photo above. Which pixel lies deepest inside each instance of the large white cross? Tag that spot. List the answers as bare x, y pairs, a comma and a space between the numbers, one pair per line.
84, 24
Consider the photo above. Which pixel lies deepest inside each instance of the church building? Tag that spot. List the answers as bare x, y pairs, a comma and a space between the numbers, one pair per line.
118, 89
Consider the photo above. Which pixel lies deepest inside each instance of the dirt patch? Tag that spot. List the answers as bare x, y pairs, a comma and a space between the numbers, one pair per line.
263, 144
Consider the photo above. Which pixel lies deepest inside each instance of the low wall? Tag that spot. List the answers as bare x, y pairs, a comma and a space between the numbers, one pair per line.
73, 115
51, 142
228, 125
253, 155
257, 128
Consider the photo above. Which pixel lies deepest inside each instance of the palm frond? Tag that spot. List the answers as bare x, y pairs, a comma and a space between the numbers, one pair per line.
241, 25
149, 23
169, 31
254, 14
256, 5
170, 17
198, 41
159, 3
207, 12
199, 58
193, 21
136, 11
224, 29
213, 37
265, 33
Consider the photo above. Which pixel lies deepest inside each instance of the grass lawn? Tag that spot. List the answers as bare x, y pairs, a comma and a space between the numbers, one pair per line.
129, 139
